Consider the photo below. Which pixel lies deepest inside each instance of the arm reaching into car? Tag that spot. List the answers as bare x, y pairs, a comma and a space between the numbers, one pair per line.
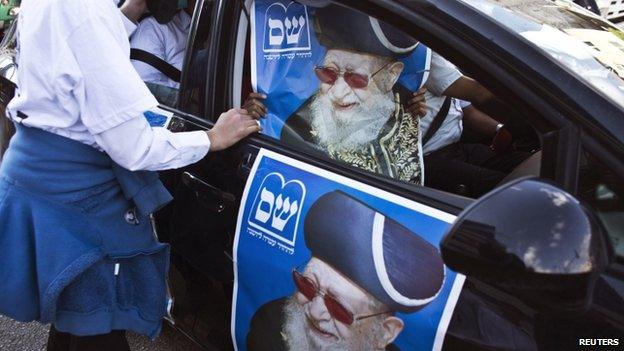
135, 145
231, 127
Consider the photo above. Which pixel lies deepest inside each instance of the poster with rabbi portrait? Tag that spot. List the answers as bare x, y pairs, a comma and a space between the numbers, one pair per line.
337, 82
323, 262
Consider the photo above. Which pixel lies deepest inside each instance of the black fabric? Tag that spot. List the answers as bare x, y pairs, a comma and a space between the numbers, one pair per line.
438, 120
163, 66
113, 341
469, 169
339, 27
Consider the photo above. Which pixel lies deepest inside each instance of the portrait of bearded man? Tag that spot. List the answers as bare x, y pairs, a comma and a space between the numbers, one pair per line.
357, 116
364, 268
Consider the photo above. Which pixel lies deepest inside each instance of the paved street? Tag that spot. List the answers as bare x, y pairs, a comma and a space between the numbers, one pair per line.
16, 336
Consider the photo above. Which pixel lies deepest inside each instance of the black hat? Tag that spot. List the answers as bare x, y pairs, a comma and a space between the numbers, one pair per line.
389, 261
339, 27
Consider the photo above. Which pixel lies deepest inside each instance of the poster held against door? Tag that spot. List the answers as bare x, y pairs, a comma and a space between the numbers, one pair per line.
325, 262
295, 48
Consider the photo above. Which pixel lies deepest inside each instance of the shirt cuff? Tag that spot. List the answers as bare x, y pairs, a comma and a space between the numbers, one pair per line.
128, 25
463, 103
196, 142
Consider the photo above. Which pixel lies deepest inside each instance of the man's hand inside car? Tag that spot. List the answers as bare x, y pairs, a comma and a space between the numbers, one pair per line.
231, 127
502, 140
254, 105
417, 105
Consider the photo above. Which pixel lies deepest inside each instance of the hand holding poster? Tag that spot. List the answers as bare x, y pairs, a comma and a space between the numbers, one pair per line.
323, 262
337, 81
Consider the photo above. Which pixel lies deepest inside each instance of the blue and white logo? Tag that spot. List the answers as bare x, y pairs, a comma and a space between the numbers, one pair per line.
287, 28
277, 208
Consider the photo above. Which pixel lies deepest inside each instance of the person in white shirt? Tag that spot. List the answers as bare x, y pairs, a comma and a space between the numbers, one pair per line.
469, 169
74, 212
166, 41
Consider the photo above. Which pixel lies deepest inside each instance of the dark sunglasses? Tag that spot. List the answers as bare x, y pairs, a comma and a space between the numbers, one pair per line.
308, 288
329, 75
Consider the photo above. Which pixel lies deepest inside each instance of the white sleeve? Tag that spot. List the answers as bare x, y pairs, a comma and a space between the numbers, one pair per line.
135, 145
442, 75
111, 91
112, 100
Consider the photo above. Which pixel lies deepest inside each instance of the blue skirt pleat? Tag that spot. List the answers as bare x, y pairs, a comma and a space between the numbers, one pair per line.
69, 254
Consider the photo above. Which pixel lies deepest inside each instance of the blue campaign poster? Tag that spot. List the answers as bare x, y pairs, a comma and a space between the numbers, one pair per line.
324, 261
285, 50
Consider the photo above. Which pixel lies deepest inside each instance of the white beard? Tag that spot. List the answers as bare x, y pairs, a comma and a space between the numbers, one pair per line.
298, 338
353, 129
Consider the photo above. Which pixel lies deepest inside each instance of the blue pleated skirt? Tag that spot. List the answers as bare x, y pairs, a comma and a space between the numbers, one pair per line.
74, 250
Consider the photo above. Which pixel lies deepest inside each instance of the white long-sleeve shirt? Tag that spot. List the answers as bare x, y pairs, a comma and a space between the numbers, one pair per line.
166, 41
75, 79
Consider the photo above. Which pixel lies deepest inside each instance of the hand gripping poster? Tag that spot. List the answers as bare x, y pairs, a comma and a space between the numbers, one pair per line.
323, 262
324, 60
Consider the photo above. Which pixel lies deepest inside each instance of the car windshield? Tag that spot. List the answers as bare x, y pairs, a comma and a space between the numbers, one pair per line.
583, 42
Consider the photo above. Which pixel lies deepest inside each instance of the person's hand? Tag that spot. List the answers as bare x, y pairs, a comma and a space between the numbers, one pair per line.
134, 9
254, 105
231, 127
501, 141
417, 105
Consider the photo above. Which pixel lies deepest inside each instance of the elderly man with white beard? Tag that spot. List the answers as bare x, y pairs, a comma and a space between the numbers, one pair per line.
364, 268
357, 116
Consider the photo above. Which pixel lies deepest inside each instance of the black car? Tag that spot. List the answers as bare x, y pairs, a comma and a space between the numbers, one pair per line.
534, 56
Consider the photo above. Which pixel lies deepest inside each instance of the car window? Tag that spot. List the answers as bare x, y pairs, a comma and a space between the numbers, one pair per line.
574, 37
158, 51
169, 44
346, 92
603, 190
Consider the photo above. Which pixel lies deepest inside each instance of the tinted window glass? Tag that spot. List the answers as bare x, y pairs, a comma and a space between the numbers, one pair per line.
603, 190
193, 92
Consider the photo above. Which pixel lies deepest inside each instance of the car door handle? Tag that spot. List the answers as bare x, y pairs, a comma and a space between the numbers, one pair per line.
244, 167
213, 197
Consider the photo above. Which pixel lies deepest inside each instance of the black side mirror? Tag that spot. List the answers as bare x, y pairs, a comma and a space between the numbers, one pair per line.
532, 239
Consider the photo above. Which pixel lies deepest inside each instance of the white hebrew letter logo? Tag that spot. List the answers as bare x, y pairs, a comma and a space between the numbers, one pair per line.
277, 207
293, 29
284, 210
276, 32
266, 198
286, 27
